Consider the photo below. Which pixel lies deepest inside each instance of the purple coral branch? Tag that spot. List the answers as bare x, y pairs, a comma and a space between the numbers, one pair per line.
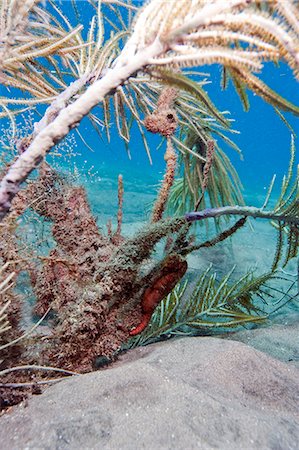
247, 211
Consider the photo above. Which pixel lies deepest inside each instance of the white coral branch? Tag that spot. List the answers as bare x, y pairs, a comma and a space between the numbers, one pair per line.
66, 120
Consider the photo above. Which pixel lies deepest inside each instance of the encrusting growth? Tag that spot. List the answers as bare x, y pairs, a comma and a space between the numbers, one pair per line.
164, 121
96, 287
210, 153
168, 179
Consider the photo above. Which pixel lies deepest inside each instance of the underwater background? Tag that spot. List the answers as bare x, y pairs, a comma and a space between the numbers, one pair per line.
97, 264
93, 264
262, 136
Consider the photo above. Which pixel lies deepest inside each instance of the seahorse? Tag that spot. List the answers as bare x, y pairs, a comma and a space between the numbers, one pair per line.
172, 270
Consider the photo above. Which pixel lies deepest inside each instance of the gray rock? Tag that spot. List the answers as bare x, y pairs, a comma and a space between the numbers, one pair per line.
191, 393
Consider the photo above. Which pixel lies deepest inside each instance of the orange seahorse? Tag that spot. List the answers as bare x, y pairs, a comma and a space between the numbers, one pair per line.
172, 270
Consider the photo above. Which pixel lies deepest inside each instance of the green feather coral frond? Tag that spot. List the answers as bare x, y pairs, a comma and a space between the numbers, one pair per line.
260, 88
240, 87
49, 51
238, 36
195, 110
213, 304
289, 190
288, 205
224, 186
14, 52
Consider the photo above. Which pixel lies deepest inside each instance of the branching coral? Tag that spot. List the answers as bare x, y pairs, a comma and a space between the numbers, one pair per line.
27, 33
94, 284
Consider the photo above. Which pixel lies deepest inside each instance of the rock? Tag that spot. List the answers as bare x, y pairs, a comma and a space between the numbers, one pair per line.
190, 393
